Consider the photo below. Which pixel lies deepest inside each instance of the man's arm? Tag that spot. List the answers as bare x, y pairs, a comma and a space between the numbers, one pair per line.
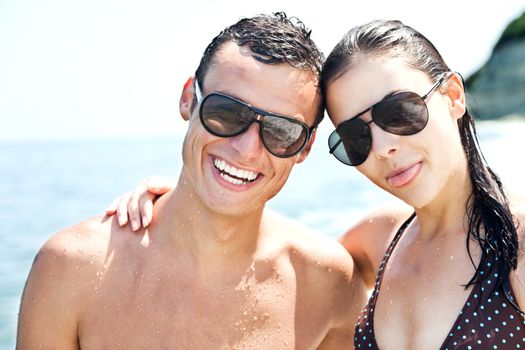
48, 313
350, 298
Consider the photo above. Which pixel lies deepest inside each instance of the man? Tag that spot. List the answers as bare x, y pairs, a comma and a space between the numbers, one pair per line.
215, 270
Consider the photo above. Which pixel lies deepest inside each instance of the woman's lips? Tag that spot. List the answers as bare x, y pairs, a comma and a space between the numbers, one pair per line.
404, 176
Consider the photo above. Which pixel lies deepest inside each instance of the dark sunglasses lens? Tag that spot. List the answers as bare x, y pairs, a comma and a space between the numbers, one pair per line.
223, 116
355, 144
404, 113
283, 137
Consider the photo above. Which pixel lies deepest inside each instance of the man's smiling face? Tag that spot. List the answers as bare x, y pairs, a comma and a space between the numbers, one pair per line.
238, 174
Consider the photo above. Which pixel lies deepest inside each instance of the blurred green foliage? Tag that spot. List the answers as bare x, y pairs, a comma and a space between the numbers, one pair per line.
514, 31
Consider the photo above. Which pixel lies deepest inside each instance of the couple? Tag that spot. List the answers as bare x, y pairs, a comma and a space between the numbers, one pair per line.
215, 270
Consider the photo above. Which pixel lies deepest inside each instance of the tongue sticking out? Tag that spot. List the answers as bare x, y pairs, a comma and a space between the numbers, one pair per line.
405, 176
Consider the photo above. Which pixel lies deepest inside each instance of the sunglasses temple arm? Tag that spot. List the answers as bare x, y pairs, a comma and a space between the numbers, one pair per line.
332, 149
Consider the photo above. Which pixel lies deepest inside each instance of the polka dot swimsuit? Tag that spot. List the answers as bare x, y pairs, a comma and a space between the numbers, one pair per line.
485, 322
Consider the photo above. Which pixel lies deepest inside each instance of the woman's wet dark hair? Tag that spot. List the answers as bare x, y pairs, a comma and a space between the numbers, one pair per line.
490, 221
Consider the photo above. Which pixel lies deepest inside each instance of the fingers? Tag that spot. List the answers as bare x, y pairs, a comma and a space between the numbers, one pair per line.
133, 209
122, 209
145, 203
140, 207
112, 208
159, 185
136, 206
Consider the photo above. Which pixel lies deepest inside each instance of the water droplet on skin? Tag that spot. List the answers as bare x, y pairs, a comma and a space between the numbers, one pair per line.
329, 269
221, 192
452, 257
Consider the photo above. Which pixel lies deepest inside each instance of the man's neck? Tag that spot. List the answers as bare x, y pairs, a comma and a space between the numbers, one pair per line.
209, 236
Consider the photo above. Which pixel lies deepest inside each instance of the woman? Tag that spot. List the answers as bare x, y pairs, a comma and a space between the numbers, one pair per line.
402, 121
451, 277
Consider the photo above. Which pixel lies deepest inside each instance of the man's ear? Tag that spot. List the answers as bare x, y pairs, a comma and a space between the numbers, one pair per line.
186, 98
307, 148
453, 88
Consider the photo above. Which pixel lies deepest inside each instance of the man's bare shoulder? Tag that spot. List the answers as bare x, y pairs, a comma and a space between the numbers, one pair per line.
307, 247
59, 284
92, 245
325, 275
80, 241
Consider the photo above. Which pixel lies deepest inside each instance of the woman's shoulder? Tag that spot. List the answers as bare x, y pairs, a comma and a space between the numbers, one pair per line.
368, 239
378, 226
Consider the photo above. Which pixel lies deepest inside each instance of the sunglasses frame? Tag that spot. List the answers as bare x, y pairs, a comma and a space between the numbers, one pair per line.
332, 149
260, 114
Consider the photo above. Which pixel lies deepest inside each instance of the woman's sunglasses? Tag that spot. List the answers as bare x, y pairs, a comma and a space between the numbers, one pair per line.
403, 113
225, 116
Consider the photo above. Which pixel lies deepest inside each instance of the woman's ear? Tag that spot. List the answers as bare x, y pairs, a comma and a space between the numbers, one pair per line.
186, 98
455, 91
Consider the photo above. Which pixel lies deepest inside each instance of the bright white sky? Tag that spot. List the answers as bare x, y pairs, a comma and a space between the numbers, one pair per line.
109, 68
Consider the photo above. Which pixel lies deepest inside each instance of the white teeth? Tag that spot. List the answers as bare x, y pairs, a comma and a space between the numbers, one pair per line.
228, 169
220, 164
232, 180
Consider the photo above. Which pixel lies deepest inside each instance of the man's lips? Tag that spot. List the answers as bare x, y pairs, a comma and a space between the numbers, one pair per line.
233, 174
404, 175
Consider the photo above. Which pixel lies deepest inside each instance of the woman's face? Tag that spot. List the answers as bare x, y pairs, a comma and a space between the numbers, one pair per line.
419, 168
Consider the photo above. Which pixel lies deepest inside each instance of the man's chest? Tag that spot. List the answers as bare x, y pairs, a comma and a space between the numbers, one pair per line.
171, 314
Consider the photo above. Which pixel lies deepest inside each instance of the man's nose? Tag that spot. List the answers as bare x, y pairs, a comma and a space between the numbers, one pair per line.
248, 144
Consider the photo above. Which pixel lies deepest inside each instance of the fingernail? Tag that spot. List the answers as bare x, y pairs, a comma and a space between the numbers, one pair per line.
121, 220
134, 225
145, 221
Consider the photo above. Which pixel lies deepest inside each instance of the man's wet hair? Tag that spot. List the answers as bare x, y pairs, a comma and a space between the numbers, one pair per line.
273, 39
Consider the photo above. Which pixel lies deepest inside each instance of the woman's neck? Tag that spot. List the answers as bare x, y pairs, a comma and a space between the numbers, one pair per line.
447, 213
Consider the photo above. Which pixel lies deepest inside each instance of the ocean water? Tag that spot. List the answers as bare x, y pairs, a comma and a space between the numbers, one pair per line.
49, 185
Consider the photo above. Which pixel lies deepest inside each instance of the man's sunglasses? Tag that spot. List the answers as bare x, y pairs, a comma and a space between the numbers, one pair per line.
403, 113
225, 116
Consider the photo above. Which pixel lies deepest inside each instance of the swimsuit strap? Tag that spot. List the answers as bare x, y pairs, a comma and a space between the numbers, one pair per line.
364, 329
380, 273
